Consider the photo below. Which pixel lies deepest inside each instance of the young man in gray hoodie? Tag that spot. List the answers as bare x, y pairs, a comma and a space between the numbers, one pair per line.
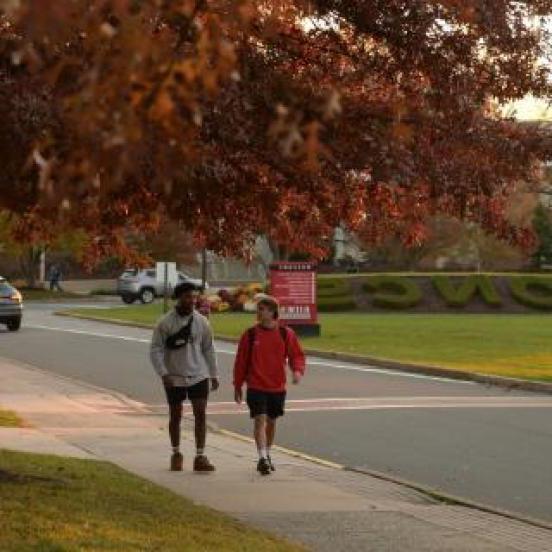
183, 355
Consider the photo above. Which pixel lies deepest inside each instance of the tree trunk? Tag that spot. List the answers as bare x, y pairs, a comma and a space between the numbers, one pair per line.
29, 263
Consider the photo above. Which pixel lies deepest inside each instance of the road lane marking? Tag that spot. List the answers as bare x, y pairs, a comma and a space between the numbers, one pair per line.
386, 371
310, 362
83, 332
381, 403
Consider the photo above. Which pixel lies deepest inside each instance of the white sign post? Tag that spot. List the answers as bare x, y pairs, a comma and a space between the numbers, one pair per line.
167, 275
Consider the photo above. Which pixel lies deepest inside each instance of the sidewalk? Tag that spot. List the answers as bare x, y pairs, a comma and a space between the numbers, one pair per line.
323, 507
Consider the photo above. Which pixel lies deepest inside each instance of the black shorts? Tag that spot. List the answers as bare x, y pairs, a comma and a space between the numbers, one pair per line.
266, 402
175, 395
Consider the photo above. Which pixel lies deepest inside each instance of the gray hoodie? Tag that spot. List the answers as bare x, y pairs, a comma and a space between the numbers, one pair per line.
190, 364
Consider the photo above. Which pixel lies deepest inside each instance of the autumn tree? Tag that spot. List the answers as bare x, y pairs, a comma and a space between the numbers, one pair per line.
451, 244
25, 256
542, 223
281, 117
169, 241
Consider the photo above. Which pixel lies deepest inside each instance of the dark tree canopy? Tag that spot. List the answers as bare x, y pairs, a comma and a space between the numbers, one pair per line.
277, 117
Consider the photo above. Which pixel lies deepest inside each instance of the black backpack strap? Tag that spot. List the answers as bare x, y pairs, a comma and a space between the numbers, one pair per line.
250, 343
284, 335
182, 337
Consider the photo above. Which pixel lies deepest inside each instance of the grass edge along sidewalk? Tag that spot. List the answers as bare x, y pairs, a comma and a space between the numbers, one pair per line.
57, 503
229, 326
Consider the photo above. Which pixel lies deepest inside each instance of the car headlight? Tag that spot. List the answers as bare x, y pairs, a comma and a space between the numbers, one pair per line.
16, 296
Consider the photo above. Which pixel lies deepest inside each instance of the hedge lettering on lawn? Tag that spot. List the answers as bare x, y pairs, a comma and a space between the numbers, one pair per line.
333, 287
393, 292
532, 291
335, 295
459, 296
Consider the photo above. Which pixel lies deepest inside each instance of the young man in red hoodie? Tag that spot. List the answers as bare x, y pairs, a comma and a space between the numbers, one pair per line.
263, 353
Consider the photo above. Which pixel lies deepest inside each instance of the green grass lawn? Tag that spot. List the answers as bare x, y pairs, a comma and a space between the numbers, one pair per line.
9, 419
509, 345
50, 503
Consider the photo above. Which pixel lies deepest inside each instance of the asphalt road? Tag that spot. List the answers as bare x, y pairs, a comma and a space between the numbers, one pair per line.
482, 443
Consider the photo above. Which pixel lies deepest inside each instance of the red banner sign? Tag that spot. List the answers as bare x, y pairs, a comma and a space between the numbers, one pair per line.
294, 286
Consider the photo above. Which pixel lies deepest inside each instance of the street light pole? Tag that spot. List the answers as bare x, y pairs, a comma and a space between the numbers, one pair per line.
203, 267
166, 289
42, 268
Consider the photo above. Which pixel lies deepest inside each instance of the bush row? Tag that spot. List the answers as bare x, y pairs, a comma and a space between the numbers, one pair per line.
461, 294
334, 295
403, 293
532, 291
400, 292
393, 292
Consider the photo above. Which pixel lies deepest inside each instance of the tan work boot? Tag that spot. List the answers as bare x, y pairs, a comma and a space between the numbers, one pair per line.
177, 460
202, 464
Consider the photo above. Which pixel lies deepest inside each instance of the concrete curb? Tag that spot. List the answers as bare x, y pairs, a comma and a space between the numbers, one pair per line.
112, 321
85, 298
453, 500
435, 371
430, 492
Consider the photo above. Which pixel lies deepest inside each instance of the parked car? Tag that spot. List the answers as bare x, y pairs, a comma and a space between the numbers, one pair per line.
11, 306
142, 284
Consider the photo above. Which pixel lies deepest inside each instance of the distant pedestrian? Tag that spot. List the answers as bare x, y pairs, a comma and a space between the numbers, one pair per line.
263, 352
183, 354
54, 277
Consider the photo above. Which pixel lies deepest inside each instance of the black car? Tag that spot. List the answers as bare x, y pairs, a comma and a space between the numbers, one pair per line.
11, 306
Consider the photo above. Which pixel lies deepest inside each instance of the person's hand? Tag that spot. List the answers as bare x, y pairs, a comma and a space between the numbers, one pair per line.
297, 377
214, 384
238, 396
167, 382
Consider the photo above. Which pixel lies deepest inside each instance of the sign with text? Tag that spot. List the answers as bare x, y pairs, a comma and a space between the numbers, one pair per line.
294, 286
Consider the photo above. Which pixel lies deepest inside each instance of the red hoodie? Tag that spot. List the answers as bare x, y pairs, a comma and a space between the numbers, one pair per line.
268, 359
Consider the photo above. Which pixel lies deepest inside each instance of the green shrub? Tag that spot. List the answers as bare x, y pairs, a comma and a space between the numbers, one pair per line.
532, 291
334, 295
459, 296
333, 287
393, 292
